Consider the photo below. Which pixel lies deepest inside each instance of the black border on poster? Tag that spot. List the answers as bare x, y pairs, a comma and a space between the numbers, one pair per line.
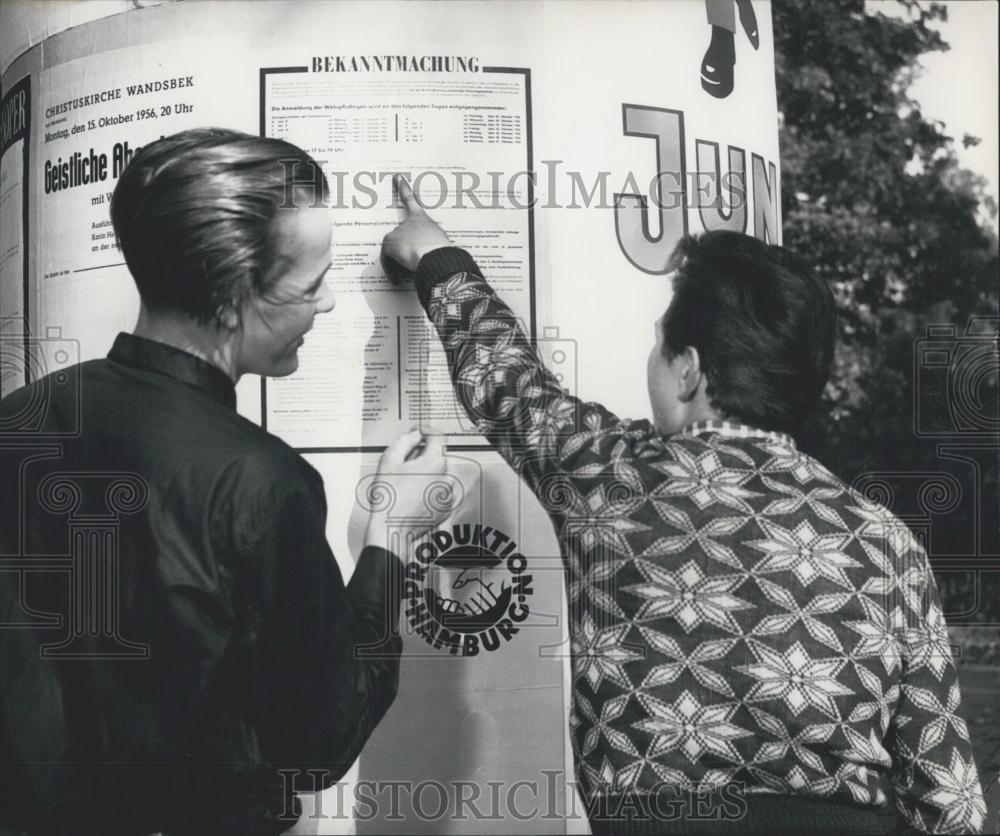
264, 73
23, 85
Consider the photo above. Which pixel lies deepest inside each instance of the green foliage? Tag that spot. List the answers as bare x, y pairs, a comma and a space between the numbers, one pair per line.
874, 197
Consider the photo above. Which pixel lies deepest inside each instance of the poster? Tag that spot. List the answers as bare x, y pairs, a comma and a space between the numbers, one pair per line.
97, 115
547, 102
626, 166
460, 131
15, 124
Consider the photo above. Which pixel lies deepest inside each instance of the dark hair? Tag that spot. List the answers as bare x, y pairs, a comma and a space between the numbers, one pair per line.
194, 214
763, 324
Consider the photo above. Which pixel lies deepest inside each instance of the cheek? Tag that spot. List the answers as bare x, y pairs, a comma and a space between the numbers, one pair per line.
252, 328
652, 381
284, 325
660, 383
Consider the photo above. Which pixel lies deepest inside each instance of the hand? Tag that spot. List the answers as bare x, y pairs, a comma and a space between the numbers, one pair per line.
412, 468
450, 606
478, 602
481, 599
416, 236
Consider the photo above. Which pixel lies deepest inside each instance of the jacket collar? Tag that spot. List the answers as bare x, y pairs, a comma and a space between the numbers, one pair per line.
176, 363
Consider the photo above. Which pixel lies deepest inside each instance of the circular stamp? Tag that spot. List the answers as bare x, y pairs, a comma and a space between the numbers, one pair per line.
467, 589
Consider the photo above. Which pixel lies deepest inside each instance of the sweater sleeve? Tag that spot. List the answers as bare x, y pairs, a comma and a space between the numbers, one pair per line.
934, 775
501, 381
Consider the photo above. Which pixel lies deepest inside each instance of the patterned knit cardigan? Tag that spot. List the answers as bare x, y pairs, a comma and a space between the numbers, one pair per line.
738, 615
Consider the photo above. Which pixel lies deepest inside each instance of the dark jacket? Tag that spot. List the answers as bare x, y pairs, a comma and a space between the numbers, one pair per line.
175, 634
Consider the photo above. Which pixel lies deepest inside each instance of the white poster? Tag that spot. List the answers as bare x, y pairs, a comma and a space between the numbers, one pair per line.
460, 130
15, 121
545, 127
96, 114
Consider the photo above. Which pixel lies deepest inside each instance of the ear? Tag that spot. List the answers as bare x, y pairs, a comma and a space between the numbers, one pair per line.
691, 376
229, 318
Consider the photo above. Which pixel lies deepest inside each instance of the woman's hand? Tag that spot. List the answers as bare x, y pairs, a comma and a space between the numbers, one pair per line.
416, 236
412, 486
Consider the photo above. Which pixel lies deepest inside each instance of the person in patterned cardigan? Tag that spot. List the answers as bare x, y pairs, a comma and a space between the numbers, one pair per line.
757, 648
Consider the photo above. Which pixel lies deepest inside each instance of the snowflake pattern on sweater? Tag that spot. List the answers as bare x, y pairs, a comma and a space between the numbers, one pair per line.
737, 614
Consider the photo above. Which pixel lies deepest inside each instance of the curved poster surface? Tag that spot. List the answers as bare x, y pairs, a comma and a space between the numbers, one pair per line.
568, 146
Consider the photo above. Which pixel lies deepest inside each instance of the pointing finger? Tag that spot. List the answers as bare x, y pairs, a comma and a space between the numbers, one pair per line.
406, 195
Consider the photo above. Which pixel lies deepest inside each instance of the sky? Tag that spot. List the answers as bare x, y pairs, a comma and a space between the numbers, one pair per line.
959, 87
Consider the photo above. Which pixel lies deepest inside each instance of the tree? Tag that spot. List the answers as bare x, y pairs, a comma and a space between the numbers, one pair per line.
873, 195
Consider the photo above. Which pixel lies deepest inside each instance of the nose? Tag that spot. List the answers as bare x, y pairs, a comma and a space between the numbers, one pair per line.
326, 301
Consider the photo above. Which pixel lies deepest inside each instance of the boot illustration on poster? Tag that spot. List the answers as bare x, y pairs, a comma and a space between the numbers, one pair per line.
720, 57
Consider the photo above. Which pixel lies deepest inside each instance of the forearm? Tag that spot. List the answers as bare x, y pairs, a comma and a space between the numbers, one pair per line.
327, 654
375, 590
367, 676
499, 378
934, 774
377, 648
332, 688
